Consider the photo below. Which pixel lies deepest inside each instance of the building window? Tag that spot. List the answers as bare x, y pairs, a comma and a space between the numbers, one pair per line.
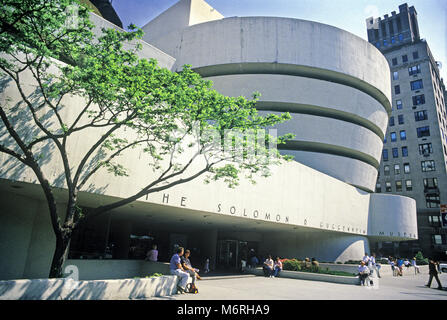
417, 100
420, 115
388, 186
432, 201
395, 75
399, 104
386, 170
414, 70
393, 136
408, 185
400, 119
397, 89
396, 169
391, 121
425, 149
385, 154
437, 239
428, 165
403, 135
434, 221
404, 151
430, 183
406, 167
394, 60
404, 58
415, 55
423, 131
399, 186
378, 187
395, 152
416, 85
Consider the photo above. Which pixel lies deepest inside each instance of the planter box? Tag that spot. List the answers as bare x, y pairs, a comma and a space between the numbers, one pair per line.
310, 276
103, 269
67, 289
385, 270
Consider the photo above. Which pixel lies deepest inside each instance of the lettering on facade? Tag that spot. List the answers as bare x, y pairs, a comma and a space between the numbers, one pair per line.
406, 235
256, 214
278, 218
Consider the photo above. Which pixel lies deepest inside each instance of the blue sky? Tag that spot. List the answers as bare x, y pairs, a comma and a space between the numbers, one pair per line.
349, 15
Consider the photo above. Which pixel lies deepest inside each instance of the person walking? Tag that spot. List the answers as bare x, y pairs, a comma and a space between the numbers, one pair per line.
400, 264
433, 272
393, 266
373, 265
416, 268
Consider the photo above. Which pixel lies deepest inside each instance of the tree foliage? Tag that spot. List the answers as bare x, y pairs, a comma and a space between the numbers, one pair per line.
168, 115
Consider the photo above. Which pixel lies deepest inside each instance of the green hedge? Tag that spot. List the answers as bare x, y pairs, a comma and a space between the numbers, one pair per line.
297, 265
353, 262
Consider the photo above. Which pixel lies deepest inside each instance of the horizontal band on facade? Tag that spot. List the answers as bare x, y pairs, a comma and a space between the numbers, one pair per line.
295, 70
319, 147
314, 110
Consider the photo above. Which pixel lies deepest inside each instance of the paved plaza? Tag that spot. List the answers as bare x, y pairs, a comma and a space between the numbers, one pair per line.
260, 288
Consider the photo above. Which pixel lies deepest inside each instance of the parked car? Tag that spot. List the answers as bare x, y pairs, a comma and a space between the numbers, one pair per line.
443, 267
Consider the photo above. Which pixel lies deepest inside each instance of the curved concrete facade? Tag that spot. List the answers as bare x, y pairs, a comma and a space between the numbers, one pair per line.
325, 77
336, 87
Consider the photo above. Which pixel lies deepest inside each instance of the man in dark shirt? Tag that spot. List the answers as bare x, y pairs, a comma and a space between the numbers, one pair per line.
186, 264
433, 272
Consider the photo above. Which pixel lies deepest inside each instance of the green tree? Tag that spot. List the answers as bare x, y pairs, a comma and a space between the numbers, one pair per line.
165, 114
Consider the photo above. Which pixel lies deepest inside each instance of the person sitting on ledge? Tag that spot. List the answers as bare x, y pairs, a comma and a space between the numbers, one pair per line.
315, 264
268, 267
152, 255
277, 267
363, 272
307, 264
186, 264
176, 268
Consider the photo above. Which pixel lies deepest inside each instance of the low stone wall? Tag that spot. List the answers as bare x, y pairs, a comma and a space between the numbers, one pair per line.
385, 270
310, 276
68, 289
101, 269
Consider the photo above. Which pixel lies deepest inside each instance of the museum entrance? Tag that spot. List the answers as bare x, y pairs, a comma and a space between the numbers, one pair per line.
231, 253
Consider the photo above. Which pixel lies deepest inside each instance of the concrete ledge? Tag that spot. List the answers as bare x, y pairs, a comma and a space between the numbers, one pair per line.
103, 269
68, 289
310, 276
385, 270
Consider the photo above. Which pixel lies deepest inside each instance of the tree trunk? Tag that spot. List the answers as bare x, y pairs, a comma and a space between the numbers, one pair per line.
60, 253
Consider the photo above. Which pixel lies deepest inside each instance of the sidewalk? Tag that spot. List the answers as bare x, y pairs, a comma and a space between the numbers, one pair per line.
260, 288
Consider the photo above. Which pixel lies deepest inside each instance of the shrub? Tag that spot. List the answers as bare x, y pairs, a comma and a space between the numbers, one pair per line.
292, 265
353, 262
297, 265
420, 260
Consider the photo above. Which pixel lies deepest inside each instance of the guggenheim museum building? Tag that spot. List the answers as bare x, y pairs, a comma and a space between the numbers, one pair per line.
335, 85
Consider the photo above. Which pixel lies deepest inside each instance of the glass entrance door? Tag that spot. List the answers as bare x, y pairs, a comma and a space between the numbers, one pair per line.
230, 253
